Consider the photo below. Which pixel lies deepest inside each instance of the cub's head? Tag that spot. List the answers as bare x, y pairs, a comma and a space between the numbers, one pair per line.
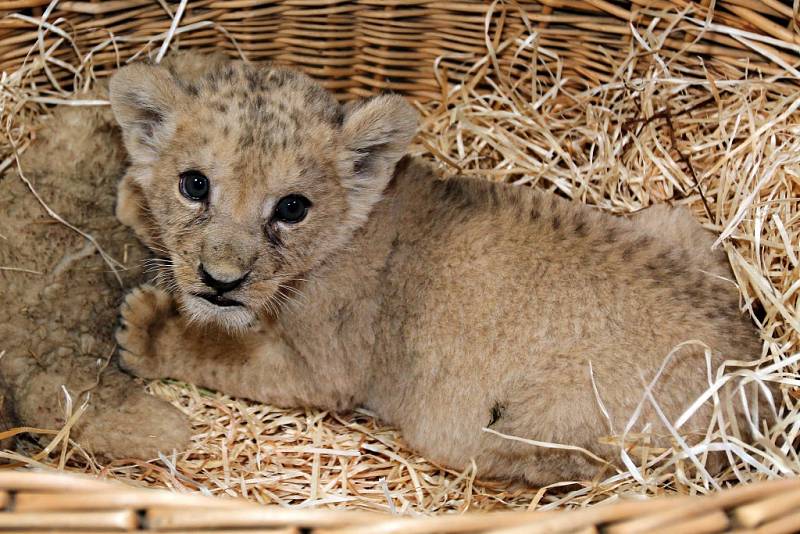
250, 177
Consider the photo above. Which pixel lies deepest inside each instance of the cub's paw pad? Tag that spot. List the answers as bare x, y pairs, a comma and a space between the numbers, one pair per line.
143, 315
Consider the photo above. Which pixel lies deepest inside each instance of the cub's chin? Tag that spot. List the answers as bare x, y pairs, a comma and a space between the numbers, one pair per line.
226, 314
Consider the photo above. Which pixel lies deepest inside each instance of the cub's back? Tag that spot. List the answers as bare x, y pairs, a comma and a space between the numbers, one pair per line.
511, 275
492, 246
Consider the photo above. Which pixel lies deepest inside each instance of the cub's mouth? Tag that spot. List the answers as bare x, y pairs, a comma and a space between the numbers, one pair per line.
218, 300
215, 309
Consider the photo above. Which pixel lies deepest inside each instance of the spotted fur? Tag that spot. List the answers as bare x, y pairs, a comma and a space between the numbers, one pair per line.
424, 300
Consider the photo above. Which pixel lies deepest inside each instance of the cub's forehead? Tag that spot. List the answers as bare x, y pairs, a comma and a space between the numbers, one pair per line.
270, 106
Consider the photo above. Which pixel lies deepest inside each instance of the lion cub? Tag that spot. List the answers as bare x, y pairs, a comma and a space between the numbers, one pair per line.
308, 261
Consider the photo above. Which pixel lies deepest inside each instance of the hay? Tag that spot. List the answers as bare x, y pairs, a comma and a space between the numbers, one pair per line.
668, 126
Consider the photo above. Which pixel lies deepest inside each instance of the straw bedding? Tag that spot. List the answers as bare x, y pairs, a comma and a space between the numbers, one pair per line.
721, 136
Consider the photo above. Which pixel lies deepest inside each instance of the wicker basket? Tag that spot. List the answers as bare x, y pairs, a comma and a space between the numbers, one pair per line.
357, 48
416, 47
44, 502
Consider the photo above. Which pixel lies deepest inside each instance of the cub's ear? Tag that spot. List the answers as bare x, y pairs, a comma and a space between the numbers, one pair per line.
376, 133
144, 99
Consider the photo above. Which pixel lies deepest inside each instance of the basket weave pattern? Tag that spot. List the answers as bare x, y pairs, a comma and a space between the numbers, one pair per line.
40, 501
411, 46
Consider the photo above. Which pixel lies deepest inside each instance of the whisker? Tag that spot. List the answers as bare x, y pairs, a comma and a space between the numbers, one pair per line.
295, 296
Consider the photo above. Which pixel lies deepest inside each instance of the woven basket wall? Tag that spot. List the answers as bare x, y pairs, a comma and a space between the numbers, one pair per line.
361, 47
39, 502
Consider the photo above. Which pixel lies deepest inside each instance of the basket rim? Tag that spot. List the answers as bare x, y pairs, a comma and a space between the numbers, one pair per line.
26, 492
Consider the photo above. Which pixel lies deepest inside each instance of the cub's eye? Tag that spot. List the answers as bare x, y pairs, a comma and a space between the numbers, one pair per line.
292, 209
194, 185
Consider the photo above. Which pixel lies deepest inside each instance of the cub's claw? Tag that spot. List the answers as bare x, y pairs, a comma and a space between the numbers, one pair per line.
143, 315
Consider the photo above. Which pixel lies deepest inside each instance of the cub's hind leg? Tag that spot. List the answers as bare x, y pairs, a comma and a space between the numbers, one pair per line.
677, 227
680, 230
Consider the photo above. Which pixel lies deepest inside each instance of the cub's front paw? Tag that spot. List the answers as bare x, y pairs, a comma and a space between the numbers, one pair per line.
146, 314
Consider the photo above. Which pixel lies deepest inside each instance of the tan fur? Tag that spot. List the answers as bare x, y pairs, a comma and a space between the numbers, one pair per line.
444, 306
57, 323
57, 326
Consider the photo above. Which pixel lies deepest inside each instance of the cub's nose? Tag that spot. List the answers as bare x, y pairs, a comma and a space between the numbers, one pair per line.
221, 284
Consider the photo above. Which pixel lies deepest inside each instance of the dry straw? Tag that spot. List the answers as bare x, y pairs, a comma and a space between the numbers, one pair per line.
616, 104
